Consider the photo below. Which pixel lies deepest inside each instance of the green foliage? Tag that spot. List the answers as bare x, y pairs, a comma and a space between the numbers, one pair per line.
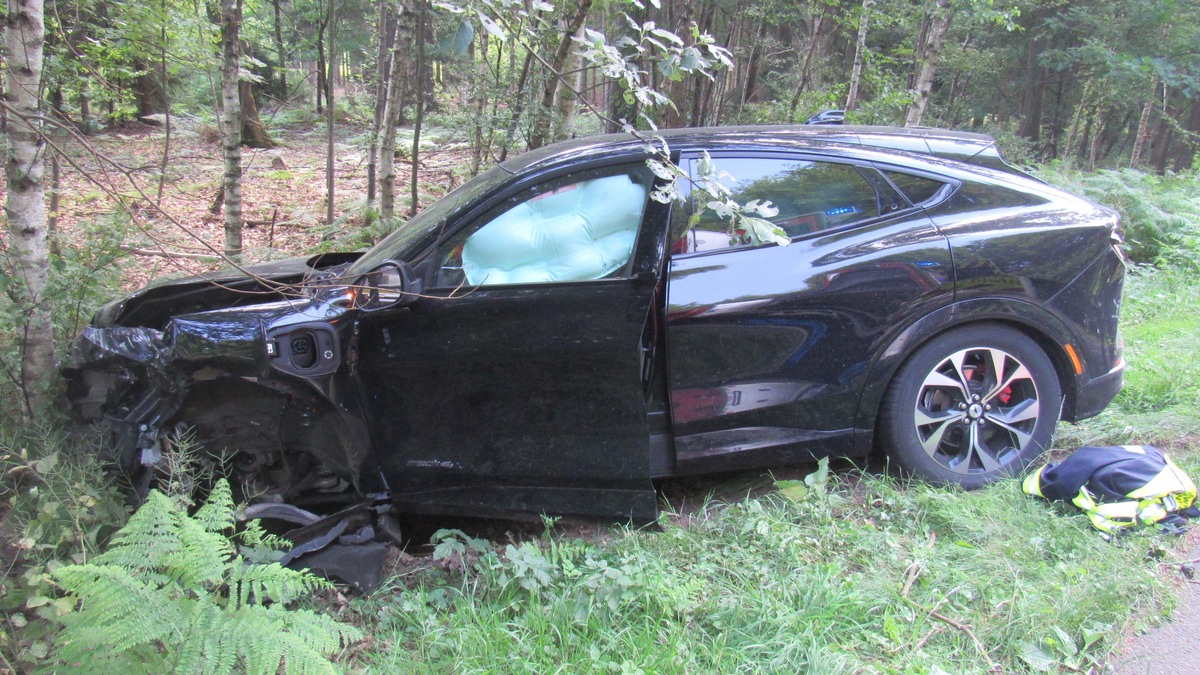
1160, 215
81, 279
61, 507
171, 594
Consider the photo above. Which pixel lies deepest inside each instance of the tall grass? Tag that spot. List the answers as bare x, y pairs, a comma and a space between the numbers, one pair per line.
868, 574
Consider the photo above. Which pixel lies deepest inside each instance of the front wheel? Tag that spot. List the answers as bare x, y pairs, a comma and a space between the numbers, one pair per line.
973, 405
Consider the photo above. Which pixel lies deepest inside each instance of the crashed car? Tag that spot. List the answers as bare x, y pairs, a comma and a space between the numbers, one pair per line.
548, 338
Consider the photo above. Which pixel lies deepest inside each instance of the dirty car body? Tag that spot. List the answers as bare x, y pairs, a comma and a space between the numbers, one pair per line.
550, 339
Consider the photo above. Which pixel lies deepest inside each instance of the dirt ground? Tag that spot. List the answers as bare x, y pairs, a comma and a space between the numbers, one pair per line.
1171, 648
283, 192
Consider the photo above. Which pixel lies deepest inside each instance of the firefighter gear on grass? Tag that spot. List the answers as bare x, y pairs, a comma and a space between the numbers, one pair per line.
1120, 487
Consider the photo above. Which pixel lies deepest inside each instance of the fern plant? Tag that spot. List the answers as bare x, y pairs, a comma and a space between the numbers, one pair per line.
171, 594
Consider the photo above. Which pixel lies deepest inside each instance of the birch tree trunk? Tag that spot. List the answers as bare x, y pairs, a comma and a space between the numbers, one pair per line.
231, 131
939, 27
26, 202
391, 113
330, 113
280, 53
860, 50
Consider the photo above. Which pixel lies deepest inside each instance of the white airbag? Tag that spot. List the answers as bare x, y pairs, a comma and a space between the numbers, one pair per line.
580, 232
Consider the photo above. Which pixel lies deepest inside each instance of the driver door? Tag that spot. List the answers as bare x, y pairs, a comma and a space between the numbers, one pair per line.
515, 382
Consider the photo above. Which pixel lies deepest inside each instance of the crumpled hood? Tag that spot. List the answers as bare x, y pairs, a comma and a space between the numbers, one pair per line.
154, 305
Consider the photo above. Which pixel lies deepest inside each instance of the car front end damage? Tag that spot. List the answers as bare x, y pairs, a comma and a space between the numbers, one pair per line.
262, 393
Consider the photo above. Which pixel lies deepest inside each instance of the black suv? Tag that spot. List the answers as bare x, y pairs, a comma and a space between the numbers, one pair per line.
549, 338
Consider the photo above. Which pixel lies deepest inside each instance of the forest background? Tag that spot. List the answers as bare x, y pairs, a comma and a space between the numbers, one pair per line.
171, 137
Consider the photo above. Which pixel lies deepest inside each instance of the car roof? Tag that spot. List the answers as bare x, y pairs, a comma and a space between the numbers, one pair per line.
971, 148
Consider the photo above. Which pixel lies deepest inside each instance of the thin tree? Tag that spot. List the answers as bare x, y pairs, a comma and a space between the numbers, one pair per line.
422, 74
401, 44
331, 19
860, 50
26, 202
939, 26
231, 132
543, 131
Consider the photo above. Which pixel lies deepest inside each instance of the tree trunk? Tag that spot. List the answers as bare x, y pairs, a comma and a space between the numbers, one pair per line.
382, 73
806, 68
480, 102
422, 66
254, 134
519, 108
331, 20
280, 53
756, 49
231, 21
391, 113
1097, 132
1161, 144
927, 66
542, 132
321, 71
26, 200
565, 100
148, 90
860, 50
1185, 152
1035, 88
1143, 130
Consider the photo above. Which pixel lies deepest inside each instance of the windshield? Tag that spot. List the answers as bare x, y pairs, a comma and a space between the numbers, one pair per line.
429, 221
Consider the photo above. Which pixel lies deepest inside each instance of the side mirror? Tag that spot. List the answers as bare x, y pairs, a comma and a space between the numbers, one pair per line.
389, 284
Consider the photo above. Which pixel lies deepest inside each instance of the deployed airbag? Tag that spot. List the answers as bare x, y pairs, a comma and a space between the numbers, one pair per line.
580, 232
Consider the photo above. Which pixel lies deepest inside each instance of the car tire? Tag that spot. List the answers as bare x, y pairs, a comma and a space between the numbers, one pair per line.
947, 419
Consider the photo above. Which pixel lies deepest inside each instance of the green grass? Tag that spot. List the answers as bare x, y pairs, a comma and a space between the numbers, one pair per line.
847, 580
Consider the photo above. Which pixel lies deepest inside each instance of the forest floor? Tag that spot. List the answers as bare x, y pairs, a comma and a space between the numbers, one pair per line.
283, 191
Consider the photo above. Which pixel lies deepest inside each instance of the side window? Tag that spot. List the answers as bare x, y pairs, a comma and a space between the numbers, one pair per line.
811, 196
575, 228
917, 188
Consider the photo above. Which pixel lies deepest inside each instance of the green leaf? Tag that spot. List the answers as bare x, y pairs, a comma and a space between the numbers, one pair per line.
794, 490
491, 26
1094, 634
37, 601
1037, 658
1065, 644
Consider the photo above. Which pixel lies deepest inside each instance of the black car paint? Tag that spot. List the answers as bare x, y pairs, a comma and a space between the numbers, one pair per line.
540, 398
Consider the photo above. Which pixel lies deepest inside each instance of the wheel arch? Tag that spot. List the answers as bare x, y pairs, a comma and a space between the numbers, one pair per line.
1039, 324
277, 416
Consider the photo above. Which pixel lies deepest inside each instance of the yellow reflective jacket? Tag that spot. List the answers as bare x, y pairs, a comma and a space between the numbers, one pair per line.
1119, 487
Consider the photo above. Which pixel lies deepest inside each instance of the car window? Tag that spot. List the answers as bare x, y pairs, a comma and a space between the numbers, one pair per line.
811, 196
576, 228
917, 188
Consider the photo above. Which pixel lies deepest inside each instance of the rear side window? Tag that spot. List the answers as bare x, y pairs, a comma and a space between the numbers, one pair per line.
811, 196
918, 189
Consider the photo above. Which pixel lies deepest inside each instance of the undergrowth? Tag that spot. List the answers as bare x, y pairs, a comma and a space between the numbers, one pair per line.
861, 574
172, 594
1160, 215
